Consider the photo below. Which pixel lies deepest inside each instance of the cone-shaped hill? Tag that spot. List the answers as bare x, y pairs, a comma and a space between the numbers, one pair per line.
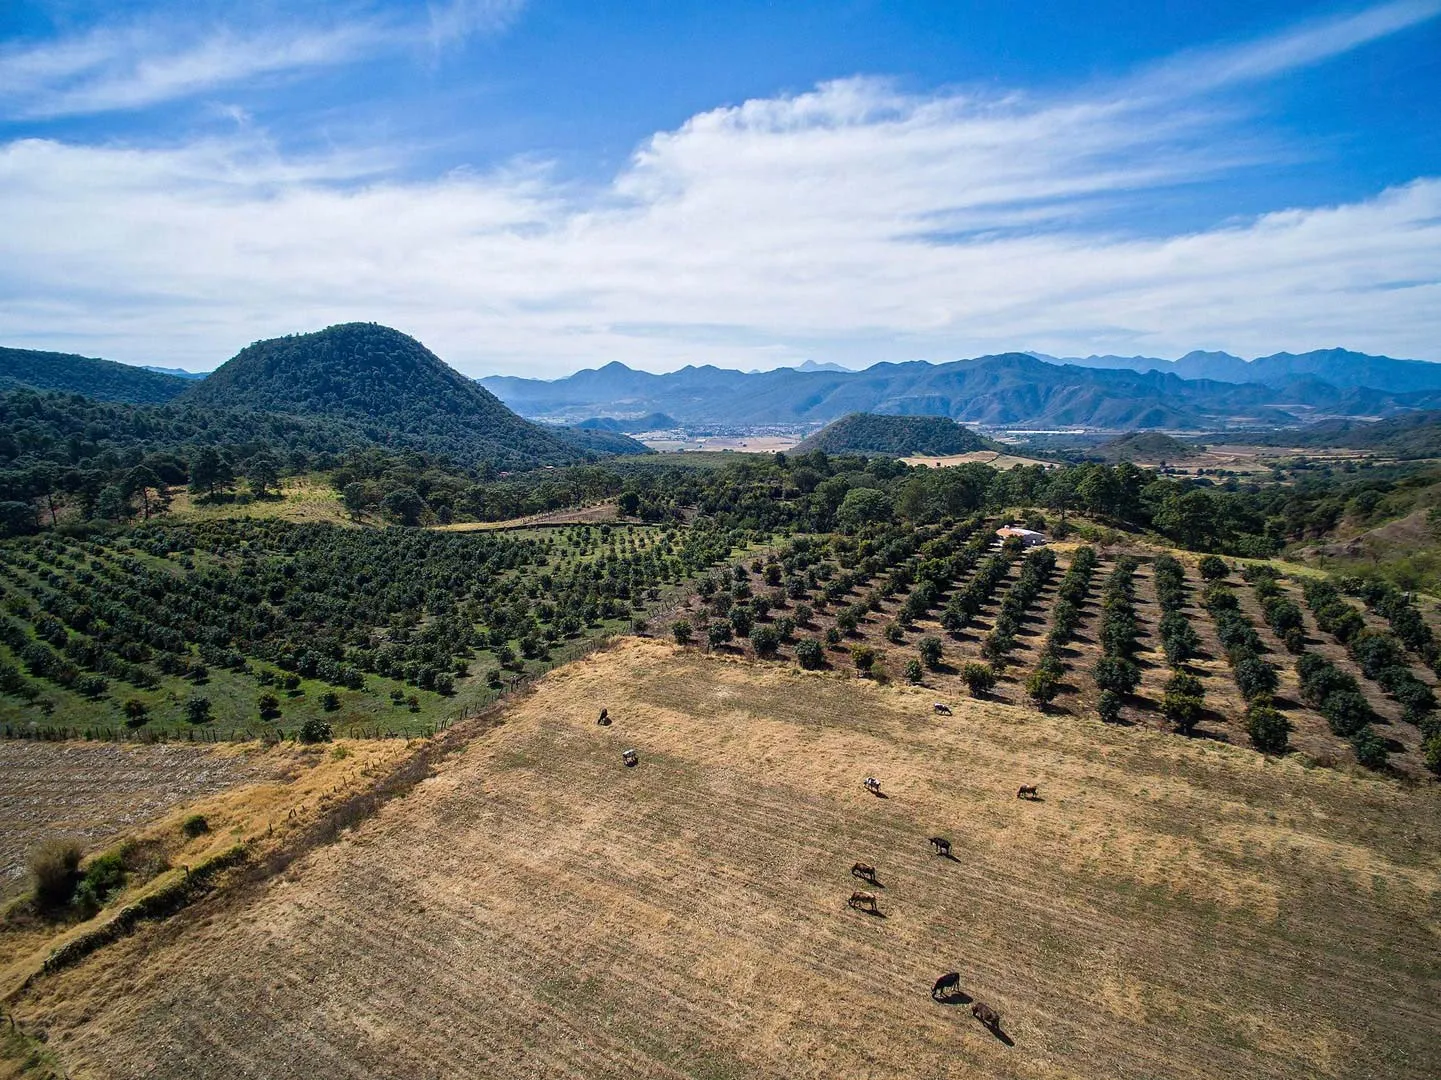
868, 433
388, 385
1146, 446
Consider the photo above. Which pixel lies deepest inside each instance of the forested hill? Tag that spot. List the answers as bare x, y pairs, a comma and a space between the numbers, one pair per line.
1145, 446
900, 436
1413, 435
101, 380
389, 384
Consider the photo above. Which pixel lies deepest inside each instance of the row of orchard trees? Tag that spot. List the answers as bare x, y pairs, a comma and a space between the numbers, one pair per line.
316, 601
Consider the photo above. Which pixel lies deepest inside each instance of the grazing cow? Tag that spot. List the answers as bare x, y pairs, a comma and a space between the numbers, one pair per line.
872, 785
942, 845
1029, 791
864, 870
604, 720
861, 899
986, 1015
948, 983
631, 758
942, 708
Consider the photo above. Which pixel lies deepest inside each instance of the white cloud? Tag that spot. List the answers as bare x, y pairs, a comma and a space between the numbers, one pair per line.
853, 222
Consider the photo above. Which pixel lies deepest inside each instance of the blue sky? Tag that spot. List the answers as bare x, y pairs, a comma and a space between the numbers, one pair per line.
533, 187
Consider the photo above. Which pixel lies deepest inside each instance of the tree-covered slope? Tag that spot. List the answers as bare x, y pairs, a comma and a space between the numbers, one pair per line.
1148, 446
867, 433
103, 380
396, 389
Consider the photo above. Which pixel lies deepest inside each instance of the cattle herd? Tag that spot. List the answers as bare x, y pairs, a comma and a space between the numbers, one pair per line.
947, 988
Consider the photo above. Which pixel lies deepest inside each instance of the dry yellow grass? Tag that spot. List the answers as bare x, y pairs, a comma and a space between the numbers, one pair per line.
305, 499
985, 457
1170, 909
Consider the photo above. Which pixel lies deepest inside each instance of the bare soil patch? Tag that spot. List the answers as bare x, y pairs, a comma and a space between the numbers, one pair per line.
96, 791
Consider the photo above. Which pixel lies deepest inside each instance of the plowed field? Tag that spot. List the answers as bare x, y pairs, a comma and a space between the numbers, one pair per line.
1171, 908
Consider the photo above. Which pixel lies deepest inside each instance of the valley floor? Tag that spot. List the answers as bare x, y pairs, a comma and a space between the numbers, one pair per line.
1170, 908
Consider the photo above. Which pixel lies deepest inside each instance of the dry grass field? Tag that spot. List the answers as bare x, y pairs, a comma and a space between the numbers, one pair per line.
1170, 908
992, 458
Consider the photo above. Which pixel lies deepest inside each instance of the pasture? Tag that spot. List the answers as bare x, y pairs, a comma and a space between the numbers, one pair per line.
1166, 908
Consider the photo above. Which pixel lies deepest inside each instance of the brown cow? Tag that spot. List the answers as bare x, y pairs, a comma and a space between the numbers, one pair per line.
1028, 791
986, 1015
861, 899
864, 870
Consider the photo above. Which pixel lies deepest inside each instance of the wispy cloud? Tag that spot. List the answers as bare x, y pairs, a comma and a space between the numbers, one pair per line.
1310, 43
118, 67
455, 20
853, 222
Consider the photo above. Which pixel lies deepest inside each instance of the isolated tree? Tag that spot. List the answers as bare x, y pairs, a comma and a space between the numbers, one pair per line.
913, 671
197, 710
1041, 686
682, 630
930, 649
268, 704
356, 499
1214, 568
263, 473
979, 678
1108, 706
210, 471
809, 654
1268, 727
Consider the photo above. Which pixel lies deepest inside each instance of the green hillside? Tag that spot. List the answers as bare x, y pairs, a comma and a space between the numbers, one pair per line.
868, 433
102, 380
392, 386
1150, 446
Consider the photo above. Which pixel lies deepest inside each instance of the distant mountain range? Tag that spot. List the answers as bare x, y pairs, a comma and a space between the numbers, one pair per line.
1339, 367
1007, 390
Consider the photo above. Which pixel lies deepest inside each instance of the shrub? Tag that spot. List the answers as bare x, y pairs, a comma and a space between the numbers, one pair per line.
1370, 748
979, 677
1213, 568
804, 614
1042, 686
1254, 676
1116, 674
682, 631
833, 636
1269, 729
894, 634
136, 712
742, 620
864, 657
1182, 710
444, 683
786, 627
930, 649
809, 654
765, 640
1108, 706
268, 704
718, 633
330, 701
103, 878
314, 730
197, 710
1431, 751
195, 825
54, 873
1346, 711
913, 671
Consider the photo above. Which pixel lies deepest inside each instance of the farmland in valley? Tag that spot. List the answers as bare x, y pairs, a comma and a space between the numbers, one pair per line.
1169, 908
